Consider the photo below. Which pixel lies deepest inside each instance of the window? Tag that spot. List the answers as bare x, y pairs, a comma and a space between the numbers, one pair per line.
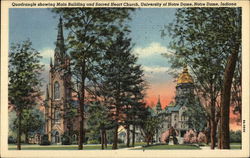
56, 90
57, 116
175, 117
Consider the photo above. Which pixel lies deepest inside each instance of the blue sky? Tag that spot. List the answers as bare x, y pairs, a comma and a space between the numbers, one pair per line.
39, 25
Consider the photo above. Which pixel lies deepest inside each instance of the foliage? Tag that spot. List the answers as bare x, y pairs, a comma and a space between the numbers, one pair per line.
24, 74
201, 137
94, 141
190, 137
91, 31
150, 124
196, 113
235, 136
24, 80
121, 83
66, 140
45, 140
11, 140
206, 45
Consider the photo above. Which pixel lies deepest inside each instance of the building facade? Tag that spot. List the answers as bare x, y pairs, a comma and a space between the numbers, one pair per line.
176, 112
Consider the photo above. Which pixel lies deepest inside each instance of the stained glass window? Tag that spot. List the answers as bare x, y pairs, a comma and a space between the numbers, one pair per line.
56, 90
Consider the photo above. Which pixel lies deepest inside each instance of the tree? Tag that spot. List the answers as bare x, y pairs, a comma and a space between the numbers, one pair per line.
120, 85
24, 80
90, 32
205, 44
32, 122
99, 121
195, 113
149, 125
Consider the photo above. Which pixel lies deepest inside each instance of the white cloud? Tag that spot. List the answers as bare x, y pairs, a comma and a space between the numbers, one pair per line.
155, 69
47, 53
152, 49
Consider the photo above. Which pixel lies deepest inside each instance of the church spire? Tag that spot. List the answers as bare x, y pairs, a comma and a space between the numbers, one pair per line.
60, 39
60, 48
158, 105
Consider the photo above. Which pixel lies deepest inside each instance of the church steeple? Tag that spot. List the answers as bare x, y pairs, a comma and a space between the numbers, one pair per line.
60, 48
158, 105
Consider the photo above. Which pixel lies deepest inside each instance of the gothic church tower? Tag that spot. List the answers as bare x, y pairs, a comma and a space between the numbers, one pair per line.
58, 92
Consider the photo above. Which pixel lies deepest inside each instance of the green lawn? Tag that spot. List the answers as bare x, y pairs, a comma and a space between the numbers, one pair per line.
169, 147
66, 147
232, 145
98, 147
60, 147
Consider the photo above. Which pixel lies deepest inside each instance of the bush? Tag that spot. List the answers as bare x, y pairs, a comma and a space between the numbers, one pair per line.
201, 138
66, 140
11, 140
45, 140
94, 141
235, 136
190, 137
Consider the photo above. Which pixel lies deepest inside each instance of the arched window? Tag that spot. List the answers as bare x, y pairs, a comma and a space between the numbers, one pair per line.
56, 90
57, 116
183, 117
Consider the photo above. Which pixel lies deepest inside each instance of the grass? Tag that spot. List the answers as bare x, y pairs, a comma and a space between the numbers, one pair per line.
169, 147
58, 147
120, 146
66, 147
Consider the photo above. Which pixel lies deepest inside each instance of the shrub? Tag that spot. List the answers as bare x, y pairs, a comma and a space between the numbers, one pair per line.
45, 140
190, 137
235, 136
11, 140
93, 141
66, 140
201, 137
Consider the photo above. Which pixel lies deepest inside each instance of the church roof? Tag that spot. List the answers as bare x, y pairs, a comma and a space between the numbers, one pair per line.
170, 109
185, 77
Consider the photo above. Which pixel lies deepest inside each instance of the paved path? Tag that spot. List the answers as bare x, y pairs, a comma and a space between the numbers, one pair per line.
130, 148
208, 147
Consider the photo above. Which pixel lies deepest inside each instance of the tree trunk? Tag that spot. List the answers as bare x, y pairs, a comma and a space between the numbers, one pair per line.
19, 132
26, 137
115, 146
212, 123
219, 139
82, 132
152, 139
208, 132
105, 139
226, 95
102, 139
148, 140
128, 136
133, 136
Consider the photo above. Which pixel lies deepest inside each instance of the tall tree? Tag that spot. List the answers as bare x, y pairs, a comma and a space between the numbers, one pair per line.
203, 38
233, 21
90, 32
121, 82
24, 80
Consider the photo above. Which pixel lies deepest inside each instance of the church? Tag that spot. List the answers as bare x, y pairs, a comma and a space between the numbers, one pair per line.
59, 100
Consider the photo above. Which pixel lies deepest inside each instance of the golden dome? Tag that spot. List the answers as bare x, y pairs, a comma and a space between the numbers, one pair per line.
185, 77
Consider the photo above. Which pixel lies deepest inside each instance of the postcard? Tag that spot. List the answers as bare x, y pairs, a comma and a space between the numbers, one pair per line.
125, 78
